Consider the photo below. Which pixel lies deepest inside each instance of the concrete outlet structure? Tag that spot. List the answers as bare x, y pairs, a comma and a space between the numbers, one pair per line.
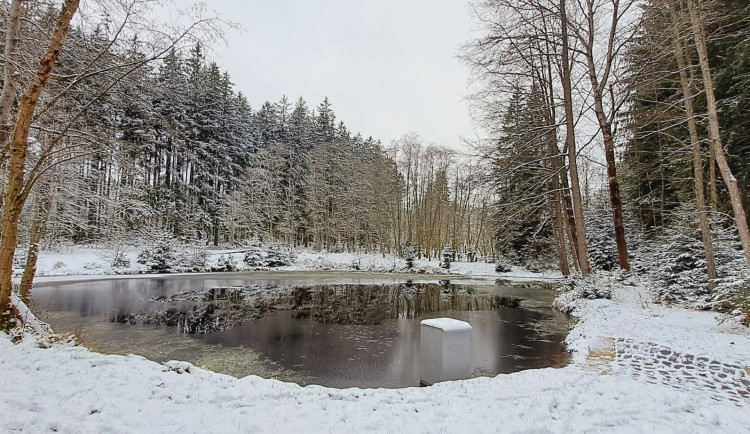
444, 350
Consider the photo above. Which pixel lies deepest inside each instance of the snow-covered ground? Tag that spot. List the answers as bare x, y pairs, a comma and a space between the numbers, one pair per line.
69, 389
388, 263
79, 261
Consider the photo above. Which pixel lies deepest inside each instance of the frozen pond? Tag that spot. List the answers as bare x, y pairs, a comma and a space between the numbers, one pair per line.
333, 329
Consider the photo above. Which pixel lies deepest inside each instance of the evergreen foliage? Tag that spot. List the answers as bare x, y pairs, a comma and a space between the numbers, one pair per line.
185, 153
657, 158
173, 148
519, 177
602, 247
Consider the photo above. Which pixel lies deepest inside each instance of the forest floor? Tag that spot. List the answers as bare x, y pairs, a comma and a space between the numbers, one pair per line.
636, 366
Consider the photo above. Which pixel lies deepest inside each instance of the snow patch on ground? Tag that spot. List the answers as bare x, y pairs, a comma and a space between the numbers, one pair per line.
70, 389
92, 261
347, 261
85, 261
630, 315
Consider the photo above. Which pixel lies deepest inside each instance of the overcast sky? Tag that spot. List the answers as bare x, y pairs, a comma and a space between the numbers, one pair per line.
387, 66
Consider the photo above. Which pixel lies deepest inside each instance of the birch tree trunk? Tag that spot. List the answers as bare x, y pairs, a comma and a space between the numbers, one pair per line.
570, 141
16, 193
8, 94
42, 203
699, 36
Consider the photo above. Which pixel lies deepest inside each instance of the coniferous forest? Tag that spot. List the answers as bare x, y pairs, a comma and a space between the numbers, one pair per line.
172, 150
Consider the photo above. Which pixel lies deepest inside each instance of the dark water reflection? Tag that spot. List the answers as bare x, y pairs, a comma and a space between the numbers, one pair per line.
343, 330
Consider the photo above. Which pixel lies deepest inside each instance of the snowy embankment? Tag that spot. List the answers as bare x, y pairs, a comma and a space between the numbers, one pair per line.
69, 389
80, 261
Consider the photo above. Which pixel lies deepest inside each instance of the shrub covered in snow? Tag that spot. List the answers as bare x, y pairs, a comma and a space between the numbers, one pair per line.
733, 297
409, 253
195, 261
226, 263
119, 260
446, 257
257, 257
674, 260
161, 258
597, 286
600, 234
166, 257
503, 266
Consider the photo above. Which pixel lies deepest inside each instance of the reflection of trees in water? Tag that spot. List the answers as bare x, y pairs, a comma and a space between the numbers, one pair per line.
215, 309
370, 304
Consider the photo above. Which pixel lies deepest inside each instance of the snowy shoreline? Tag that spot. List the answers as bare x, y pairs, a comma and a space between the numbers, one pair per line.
70, 389
82, 261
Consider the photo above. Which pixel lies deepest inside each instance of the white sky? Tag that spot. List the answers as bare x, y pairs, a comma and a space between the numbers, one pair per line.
387, 66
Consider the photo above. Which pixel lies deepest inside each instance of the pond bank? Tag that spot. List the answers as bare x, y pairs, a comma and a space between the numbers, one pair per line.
94, 261
70, 389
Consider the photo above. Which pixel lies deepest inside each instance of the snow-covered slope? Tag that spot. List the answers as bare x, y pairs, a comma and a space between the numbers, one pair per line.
69, 389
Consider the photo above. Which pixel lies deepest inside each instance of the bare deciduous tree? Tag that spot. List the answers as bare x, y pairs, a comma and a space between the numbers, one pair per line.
16, 193
601, 62
570, 145
527, 45
24, 172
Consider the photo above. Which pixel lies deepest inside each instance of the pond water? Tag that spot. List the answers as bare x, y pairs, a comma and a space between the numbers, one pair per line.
332, 329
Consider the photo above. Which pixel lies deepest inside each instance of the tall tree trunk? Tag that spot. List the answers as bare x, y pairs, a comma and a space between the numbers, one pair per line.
700, 195
605, 126
567, 205
16, 193
699, 35
13, 27
560, 224
42, 204
570, 142
555, 160
713, 195
570, 228
558, 232
614, 184
554, 193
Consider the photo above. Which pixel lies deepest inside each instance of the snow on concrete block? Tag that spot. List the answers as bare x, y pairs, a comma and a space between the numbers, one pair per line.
444, 350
